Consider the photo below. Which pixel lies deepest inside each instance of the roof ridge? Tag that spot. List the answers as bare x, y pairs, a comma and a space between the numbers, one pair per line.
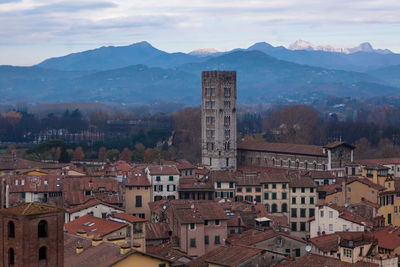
27, 208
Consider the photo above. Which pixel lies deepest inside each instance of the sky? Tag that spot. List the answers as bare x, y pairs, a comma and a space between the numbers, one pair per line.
33, 30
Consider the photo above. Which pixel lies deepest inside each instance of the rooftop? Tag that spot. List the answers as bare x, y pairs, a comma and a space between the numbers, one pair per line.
92, 225
33, 208
285, 148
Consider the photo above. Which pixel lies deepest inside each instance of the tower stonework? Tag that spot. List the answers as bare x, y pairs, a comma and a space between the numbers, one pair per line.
218, 119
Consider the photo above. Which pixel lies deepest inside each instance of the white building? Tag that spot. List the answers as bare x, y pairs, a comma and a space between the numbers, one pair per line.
330, 218
164, 180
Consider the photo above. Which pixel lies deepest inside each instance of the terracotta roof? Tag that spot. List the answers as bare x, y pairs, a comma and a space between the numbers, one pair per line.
326, 243
163, 170
365, 181
167, 251
196, 211
282, 148
191, 183
320, 174
372, 165
248, 180
274, 178
382, 161
349, 216
183, 164
28, 183
158, 230
303, 181
388, 237
137, 178
371, 204
313, 260
123, 166
338, 143
91, 203
93, 225
101, 255
32, 208
329, 189
252, 239
226, 256
222, 176
127, 217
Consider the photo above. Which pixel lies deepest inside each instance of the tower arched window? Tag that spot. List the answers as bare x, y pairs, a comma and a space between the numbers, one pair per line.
42, 253
315, 165
11, 229
306, 165
11, 257
297, 164
42, 229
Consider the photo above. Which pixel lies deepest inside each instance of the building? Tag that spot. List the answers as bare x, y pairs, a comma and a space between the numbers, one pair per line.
224, 183
331, 157
138, 194
31, 235
390, 203
275, 189
331, 218
249, 188
218, 119
94, 207
392, 163
303, 197
165, 181
196, 188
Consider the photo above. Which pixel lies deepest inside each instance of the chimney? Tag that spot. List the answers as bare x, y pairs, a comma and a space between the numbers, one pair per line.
97, 240
82, 233
79, 248
125, 248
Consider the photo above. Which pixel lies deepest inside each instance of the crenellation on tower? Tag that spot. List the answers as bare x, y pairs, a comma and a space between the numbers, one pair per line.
218, 119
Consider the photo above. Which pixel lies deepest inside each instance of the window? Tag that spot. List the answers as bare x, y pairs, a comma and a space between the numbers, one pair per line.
330, 227
293, 200
311, 190
284, 207
239, 189
258, 199
321, 213
227, 104
42, 229
171, 178
230, 184
303, 200
217, 222
162, 265
158, 178
330, 214
311, 212
206, 240
248, 189
297, 252
294, 190
138, 201
287, 251
192, 226
258, 189
218, 184
294, 226
227, 91
303, 190
274, 208
283, 186
11, 256
273, 186
283, 195
302, 226
302, 213
160, 188
206, 222
192, 242
227, 120
294, 213
348, 189
348, 253
104, 215
336, 199
43, 253
217, 239
311, 200
11, 229
265, 186
273, 195
265, 195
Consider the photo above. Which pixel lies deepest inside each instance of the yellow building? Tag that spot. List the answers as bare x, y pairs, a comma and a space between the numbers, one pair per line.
139, 259
376, 173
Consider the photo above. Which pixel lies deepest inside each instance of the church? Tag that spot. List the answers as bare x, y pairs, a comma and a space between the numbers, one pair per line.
221, 150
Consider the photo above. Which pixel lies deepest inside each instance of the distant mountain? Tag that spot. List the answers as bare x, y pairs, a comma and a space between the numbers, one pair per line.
111, 57
261, 78
203, 52
364, 47
390, 74
357, 61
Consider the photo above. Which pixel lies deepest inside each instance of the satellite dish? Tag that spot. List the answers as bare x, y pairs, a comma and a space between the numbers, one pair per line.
308, 248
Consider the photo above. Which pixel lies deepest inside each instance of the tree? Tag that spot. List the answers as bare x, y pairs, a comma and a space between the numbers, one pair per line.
112, 155
126, 155
138, 153
64, 156
102, 153
10, 149
79, 154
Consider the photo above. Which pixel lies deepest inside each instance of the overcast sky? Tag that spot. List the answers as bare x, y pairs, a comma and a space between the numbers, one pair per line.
33, 30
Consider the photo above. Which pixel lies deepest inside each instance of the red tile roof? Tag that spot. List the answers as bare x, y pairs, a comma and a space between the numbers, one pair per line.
158, 230
28, 183
365, 181
382, 161
196, 211
31, 209
249, 240
93, 225
349, 216
163, 170
302, 181
91, 203
313, 260
338, 143
190, 183
282, 148
127, 217
326, 243
137, 178
167, 251
226, 256
388, 237
223, 176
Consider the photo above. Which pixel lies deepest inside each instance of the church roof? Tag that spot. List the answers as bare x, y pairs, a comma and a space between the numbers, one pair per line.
31, 209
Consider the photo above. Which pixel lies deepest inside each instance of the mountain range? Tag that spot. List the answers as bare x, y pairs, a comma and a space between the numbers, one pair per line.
141, 73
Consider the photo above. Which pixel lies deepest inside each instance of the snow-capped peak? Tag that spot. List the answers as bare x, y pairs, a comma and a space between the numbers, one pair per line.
364, 47
203, 52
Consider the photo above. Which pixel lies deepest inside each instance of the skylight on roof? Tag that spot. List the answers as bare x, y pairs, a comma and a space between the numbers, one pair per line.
86, 223
91, 224
95, 229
